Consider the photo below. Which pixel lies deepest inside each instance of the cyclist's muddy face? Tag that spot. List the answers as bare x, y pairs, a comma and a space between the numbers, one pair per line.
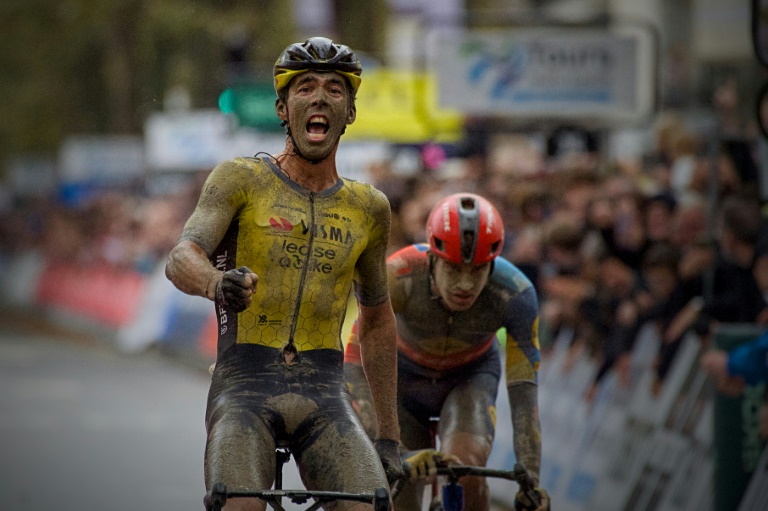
318, 108
459, 285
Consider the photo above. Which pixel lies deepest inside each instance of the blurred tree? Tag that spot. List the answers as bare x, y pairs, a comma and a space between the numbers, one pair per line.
101, 66
361, 25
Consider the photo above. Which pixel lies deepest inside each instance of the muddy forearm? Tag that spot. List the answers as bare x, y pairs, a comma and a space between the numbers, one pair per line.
190, 270
188, 266
379, 354
361, 397
523, 401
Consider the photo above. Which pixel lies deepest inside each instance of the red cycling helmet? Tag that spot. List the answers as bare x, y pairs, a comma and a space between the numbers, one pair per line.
465, 228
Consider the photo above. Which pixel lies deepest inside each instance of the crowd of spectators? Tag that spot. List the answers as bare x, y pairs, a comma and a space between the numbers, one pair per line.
123, 227
675, 238
679, 242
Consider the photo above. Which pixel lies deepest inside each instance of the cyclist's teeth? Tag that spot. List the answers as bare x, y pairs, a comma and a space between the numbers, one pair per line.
317, 128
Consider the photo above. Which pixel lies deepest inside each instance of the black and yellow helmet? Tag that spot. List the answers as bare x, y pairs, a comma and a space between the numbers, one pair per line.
318, 54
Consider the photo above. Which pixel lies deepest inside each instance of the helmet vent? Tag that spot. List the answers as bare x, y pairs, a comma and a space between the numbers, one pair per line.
468, 246
468, 203
439, 244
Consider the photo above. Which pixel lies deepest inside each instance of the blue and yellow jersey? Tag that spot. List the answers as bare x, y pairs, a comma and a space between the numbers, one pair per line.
440, 339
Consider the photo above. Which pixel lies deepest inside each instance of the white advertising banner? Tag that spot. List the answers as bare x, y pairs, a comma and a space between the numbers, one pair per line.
109, 159
194, 140
548, 73
721, 30
201, 139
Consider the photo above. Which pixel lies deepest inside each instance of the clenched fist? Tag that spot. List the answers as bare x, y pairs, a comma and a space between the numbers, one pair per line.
235, 289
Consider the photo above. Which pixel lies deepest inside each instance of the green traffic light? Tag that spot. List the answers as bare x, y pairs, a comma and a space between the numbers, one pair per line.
252, 104
228, 101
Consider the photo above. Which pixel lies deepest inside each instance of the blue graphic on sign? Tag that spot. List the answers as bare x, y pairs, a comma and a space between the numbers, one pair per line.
505, 66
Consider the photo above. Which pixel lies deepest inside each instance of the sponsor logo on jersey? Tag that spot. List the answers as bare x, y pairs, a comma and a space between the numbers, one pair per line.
280, 224
263, 320
329, 233
221, 264
400, 266
408, 260
297, 255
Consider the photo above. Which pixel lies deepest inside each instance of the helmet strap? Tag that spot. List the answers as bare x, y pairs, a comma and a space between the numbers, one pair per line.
296, 146
432, 284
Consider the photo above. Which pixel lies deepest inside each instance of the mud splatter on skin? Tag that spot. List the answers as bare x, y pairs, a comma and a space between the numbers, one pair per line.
257, 402
314, 93
525, 422
337, 441
361, 396
215, 210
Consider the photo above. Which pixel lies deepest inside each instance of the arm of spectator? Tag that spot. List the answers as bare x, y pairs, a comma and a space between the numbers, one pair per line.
696, 261
683, 320
626, 330
573, 289
527, 248
646, 304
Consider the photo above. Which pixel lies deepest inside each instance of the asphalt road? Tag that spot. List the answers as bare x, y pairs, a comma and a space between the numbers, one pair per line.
86, 428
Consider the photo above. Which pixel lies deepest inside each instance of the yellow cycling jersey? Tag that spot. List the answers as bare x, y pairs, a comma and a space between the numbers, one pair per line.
306, 248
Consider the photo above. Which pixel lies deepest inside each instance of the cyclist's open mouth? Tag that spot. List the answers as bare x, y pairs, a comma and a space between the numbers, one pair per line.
462, 299
317, 128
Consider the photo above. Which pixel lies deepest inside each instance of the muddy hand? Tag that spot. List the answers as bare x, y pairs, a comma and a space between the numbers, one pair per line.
389, 454
235, 289
534, 500
423, 464
530, 497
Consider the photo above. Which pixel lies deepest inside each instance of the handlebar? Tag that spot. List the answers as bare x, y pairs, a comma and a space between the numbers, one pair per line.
217, 497
455, 472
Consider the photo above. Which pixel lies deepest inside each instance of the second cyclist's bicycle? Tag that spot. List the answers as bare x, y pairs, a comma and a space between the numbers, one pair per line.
451, 498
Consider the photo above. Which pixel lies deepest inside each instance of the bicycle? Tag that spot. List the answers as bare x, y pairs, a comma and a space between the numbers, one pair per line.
219, 493
452, 495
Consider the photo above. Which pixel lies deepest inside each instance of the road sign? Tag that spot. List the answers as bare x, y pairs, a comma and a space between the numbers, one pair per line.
253, 104
394, 106
554, 73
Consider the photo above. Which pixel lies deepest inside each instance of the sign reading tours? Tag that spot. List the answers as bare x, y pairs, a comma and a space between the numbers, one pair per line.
555, 73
